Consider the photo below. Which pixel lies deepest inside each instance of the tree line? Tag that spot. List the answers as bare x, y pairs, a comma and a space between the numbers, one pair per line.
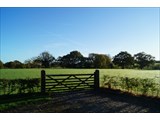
75, 59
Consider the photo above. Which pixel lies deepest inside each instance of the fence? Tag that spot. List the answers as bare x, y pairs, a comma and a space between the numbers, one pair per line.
68, 82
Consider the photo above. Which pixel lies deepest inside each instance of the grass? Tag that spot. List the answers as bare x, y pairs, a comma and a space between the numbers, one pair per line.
13, 74
17, 101
35, 73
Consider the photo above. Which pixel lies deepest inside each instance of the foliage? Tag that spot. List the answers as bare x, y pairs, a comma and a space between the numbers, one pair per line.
115, 82
76, 60
28, 63
100, 60
87, 62
19, 86
110, 81
1, 64
155, 66
33, 63
45, 58
123, 59
143, 59
14, 64
71, 60
144, 86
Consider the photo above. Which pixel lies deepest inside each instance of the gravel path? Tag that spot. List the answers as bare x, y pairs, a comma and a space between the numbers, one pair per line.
93, 102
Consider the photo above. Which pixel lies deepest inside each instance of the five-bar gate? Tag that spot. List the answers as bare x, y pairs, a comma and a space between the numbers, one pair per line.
68, 82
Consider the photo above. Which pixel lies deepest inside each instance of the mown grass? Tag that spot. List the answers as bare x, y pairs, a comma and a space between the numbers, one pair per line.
12, 74
35, 73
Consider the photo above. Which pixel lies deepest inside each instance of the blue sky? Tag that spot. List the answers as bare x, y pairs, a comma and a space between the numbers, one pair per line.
26, 32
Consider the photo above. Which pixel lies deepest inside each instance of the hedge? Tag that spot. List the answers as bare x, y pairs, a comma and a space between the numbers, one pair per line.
19, 86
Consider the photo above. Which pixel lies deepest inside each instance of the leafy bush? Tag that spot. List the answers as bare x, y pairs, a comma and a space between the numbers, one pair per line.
146, 84
110, 82
132, 85
156, 66
19, 86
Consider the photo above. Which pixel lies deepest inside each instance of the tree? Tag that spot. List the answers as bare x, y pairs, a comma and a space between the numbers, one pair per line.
45, 58
1, 64
100, 60
123, 59
87, 62
28, 63
14, 64
37, 63
18, 64
9, 64
71, 60
33, 63
143, 59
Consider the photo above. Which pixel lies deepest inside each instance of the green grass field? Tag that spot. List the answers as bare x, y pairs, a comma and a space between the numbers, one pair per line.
35, 73
11, 74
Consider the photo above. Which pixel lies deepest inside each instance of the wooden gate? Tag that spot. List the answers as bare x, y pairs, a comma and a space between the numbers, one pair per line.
68, 82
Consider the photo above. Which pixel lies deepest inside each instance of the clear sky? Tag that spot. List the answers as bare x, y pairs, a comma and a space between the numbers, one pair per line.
26, 32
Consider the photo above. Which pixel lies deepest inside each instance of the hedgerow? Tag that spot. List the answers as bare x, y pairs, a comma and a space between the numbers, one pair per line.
146, 86
19, 86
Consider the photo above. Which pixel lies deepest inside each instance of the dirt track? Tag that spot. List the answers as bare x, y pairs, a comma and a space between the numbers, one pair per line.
92, 102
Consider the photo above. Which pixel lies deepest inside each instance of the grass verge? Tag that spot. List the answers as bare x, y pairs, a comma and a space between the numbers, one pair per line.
14, 101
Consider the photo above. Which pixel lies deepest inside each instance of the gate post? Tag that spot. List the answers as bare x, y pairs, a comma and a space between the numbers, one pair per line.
43, 75
96, 80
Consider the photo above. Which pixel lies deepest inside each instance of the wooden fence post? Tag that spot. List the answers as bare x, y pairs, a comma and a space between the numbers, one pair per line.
43, 75
96, 80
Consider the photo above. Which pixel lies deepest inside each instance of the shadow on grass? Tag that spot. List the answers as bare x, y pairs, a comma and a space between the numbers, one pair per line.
8, 102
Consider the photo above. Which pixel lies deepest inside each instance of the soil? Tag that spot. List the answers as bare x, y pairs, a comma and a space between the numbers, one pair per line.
92, 102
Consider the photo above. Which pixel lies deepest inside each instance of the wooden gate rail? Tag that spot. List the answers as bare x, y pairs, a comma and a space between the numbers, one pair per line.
69, 82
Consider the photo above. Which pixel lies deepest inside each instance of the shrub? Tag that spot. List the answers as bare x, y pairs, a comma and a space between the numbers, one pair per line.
110, 82
133, 85
156, 66
19, 86
146, 85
